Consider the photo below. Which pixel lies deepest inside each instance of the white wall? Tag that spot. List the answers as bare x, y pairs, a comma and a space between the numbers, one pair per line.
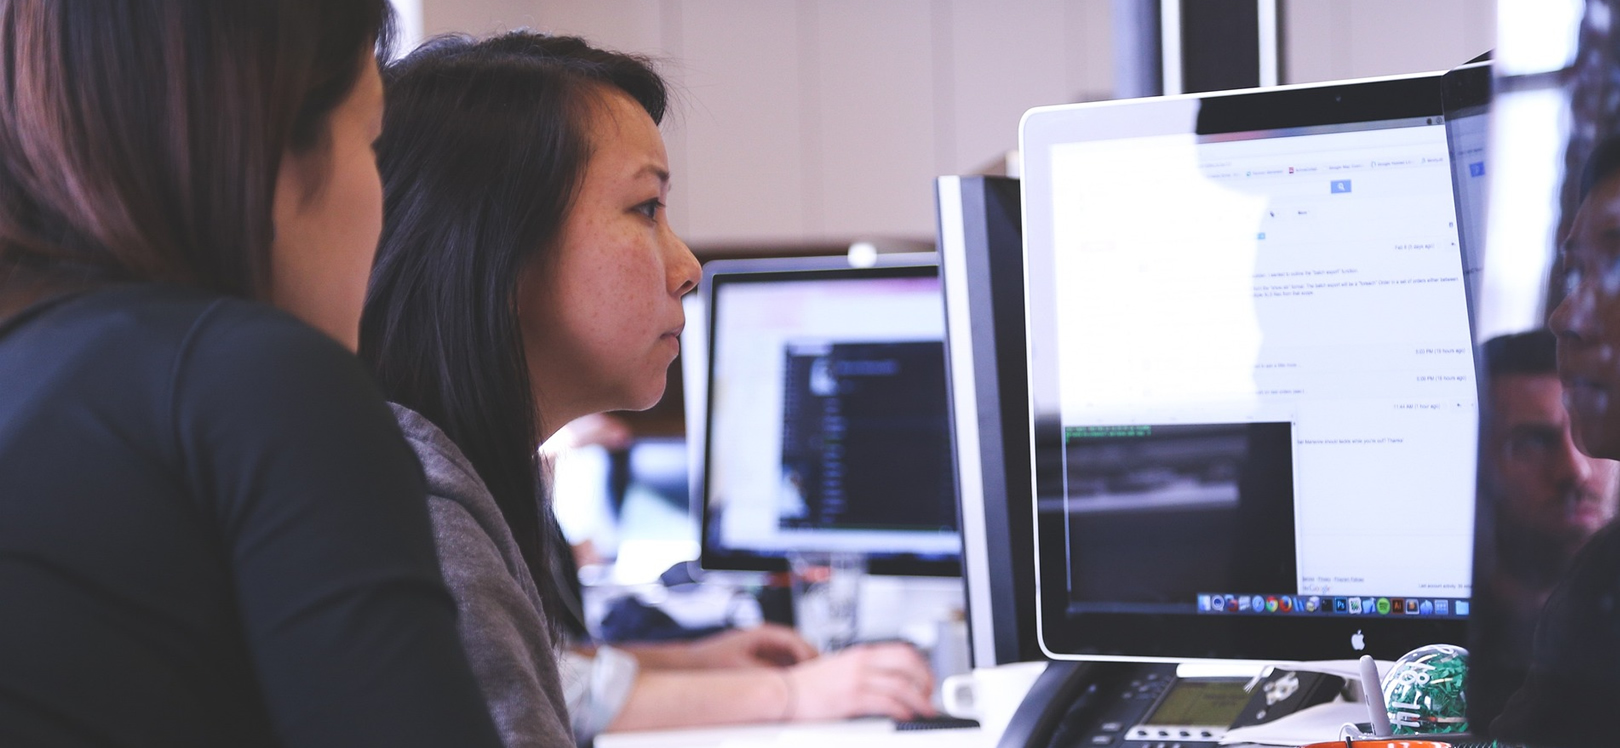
808, 122
407, 25
1337, 39
824, 121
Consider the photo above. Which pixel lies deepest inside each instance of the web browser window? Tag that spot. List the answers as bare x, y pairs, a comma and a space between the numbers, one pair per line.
1301, 313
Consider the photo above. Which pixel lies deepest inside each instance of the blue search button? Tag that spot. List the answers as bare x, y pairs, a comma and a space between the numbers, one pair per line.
1340, 186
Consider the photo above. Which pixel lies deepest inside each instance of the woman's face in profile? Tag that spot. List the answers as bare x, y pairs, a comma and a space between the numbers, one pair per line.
602, 317
1587, 322
328, 216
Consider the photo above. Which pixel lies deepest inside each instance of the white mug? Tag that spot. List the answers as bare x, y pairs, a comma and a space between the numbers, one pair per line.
990, 695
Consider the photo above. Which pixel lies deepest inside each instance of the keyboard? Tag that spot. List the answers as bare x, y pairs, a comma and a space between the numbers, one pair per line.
941, 722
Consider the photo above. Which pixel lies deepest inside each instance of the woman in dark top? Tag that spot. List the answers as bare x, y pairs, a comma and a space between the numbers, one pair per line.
211, 530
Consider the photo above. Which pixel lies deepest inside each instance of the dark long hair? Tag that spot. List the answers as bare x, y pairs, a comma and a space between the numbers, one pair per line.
484, 146
142, 140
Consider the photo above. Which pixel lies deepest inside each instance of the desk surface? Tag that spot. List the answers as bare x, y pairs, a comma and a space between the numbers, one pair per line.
859, 733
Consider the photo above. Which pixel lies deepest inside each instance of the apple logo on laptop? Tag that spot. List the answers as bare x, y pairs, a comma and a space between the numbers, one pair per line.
1357, 641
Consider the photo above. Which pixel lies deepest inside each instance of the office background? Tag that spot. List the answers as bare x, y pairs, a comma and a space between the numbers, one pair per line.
802, 126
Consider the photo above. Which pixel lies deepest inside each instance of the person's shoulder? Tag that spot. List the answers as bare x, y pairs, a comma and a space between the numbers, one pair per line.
450, 475
1594, 573
135, 316
139, 340
160, 317
245, 366
251, 351
463, 511
243, 329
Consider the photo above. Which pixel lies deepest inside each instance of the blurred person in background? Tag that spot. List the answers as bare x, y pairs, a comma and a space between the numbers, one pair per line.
1547, 499
1571, 685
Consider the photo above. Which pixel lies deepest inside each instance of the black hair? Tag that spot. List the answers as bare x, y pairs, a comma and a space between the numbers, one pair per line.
142, 141
1532, 352
1602, 164
484, 146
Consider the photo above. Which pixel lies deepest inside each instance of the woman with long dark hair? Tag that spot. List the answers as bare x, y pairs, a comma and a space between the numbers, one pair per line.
211, 530
527, 276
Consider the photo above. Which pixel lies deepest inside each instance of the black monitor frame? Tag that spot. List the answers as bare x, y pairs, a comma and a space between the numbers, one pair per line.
718, 274
982, 273
1104, 636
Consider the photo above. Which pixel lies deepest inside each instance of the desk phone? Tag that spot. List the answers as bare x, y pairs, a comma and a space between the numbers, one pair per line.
1145, 705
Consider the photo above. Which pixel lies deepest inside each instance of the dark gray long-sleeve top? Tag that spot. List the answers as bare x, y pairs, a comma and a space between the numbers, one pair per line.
500, 617
212, 534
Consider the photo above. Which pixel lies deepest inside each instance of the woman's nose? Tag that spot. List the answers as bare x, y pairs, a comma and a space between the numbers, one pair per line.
1572, 320
684, 270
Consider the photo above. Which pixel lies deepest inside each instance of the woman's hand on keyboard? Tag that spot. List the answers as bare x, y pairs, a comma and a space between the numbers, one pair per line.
891, 680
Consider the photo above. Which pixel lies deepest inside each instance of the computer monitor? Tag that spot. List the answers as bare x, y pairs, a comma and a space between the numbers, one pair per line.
1466, 98
1252, 379
982, 267
826, 426
1502, 618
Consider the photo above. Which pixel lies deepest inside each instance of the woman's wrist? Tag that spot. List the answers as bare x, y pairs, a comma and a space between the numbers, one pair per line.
662, 656
790, 695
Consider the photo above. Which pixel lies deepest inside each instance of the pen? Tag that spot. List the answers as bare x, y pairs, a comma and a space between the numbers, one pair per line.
1372, 689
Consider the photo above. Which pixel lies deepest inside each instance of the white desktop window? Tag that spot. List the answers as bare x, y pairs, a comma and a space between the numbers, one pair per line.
1312, 280
760, 328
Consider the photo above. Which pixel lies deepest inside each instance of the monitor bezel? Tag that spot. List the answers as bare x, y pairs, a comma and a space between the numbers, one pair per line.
723, 272
982, 273
1110, 636
1465, 93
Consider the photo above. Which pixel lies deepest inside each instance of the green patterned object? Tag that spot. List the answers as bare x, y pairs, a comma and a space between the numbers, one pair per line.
1424, 691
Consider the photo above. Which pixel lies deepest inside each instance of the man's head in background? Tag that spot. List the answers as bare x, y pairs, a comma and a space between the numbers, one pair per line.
1549, 494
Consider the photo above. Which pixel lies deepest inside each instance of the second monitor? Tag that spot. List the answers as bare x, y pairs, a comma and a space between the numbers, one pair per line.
827, 424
